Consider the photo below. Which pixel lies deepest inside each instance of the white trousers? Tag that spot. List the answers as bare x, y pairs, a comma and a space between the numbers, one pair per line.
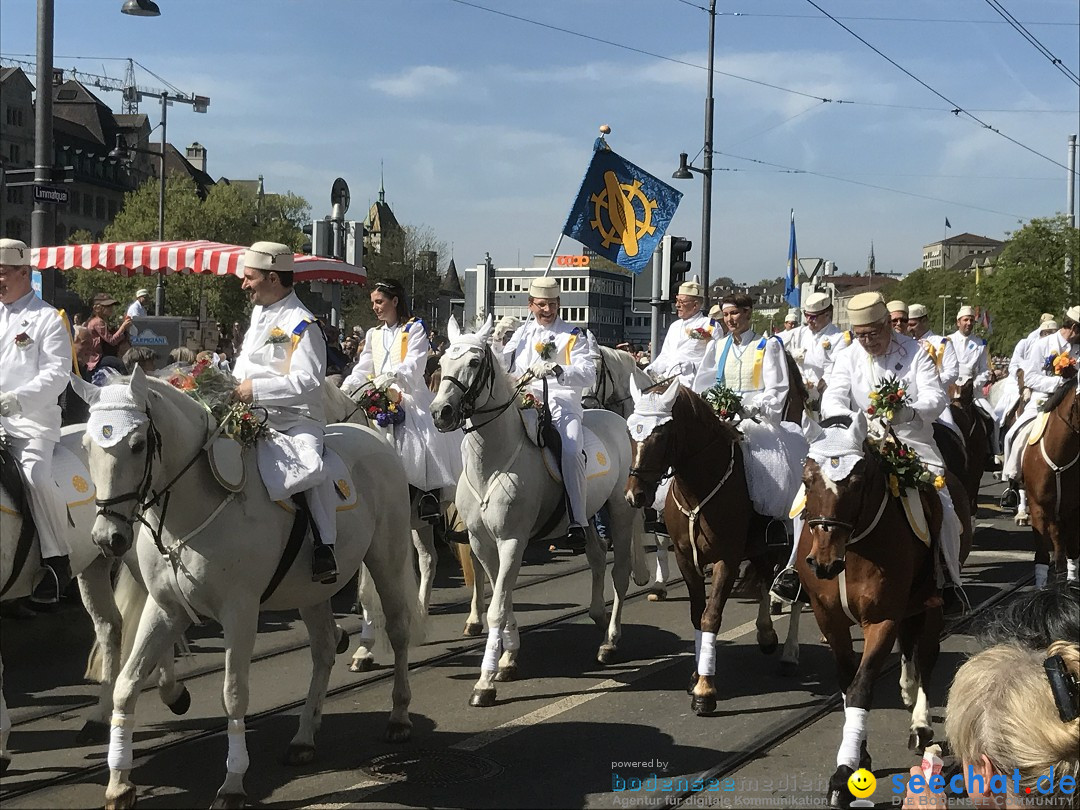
567, 420
296, 465
1016, 439
35, 458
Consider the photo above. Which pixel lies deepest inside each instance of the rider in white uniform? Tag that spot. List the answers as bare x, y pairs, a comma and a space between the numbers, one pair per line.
878, 354
281, 367
563, 355
687, 338
898, 316
395, 354
815, 344
791, 326
35, 364
972, 355
942, 353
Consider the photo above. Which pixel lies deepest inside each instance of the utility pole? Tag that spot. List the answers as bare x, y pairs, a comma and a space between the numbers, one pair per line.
42, 232
1070, 208
706, 174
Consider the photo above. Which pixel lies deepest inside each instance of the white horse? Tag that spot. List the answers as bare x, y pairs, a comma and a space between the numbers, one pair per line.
506, 495
612, 387
204, 551
19, 567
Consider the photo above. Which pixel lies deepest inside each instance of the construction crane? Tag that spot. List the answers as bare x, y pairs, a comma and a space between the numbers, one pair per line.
132, 93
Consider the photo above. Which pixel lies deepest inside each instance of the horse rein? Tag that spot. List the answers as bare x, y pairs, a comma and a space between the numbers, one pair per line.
471, 392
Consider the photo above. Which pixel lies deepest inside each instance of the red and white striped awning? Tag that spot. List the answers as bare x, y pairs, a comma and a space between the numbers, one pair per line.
201, 256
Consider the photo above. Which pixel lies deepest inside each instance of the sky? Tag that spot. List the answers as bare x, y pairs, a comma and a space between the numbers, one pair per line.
483, 122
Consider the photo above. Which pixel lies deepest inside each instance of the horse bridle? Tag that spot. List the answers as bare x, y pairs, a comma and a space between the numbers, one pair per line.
470, 393
639, 472
853, 537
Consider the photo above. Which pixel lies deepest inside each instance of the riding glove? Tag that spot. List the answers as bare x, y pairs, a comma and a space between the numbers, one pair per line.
9, 404
546, 368
386, 379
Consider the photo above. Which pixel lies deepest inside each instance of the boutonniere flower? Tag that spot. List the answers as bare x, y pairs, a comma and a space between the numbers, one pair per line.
277, 336
826, 345
23, 340
545, 348
701, 333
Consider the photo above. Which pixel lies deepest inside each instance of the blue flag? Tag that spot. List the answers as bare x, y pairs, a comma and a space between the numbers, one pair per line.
792, 285
621, 211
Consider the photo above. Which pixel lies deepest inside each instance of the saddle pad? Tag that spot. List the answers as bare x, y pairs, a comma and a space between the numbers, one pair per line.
799, 504
72, 477
343, 483
1037, 428
227, 463
916, 515
597, 463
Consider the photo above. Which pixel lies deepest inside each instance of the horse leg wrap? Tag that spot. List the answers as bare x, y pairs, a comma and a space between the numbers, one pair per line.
1072, 569
706, 662
854, 734
661, 561
237, 761
1023, 500
511, 640
120, 742
367, 632
1042, 571
492, 651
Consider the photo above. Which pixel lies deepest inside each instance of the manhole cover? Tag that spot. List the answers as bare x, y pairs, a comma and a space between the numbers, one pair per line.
432, 767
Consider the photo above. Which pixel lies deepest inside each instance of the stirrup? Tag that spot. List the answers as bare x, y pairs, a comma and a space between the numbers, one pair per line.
428, 507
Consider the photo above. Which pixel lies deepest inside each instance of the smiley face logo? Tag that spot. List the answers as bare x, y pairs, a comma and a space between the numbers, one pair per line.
861, 783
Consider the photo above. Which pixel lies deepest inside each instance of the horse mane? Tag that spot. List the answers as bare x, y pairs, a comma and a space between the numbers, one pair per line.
692, 413
1057, 397
795, 377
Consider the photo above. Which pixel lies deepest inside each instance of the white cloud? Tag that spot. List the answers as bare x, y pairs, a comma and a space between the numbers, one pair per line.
417, 81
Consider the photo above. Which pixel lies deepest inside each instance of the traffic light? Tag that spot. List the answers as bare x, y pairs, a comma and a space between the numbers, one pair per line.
355, 242
676, 264
321, 232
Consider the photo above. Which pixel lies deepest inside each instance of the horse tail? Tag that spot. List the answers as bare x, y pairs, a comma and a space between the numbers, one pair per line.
130, 598
468, 571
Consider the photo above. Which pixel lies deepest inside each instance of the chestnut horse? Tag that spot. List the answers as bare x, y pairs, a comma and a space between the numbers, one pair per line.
862, 564
1052, 479
709, 516
967, 417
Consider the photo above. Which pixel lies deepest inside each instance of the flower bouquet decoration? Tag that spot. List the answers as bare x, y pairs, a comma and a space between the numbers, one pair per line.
545, 348
887, 400
724, 402
382, 405
1061, 364
903, 467
530, 400
701, 333
212, 388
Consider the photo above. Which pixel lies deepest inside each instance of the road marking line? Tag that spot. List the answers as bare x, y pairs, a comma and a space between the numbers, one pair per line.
362, 790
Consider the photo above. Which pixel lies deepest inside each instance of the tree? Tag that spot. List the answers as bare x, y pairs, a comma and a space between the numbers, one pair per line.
924, 287
231, 214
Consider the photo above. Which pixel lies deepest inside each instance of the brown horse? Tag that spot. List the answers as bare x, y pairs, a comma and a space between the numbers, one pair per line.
709, 516
968, 418
1052, 479
863, 564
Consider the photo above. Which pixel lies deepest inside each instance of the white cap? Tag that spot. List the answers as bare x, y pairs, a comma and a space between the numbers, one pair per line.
716, 312
897, 306
139, 293
1046, 316
1049, 326
14, 252
793, 315
692, 288
1073, 314
269, 256
867, 308
544, 287
916, 311
965, 312
817, 303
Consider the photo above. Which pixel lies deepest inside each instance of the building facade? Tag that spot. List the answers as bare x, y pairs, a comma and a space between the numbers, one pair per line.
948, 253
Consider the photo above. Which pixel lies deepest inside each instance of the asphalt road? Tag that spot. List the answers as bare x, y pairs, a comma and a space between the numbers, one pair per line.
571, 733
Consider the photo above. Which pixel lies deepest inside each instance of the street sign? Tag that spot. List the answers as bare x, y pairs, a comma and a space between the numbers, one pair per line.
339, 194
50, 194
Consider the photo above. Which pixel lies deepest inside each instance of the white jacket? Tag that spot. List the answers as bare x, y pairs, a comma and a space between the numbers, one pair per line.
944, 356
572, 350
286, 363
1034, 376
770, 393
684, 348
971, 355
35, 363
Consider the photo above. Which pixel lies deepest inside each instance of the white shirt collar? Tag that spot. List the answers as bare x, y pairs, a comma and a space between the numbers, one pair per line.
19, 304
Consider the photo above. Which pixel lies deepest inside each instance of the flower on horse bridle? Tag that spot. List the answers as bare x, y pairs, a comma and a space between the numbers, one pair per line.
904, 468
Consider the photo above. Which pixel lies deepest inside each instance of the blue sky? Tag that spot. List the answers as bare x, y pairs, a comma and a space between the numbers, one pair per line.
485, 123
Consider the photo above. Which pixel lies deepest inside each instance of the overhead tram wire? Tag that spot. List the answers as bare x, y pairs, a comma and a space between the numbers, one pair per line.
735, 76
957, 109
1011, 20
881, 19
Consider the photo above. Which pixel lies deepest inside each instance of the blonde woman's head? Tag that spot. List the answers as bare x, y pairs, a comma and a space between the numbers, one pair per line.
1002, 718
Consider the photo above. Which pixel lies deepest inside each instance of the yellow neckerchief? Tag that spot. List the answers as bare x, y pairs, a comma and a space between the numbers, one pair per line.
297, 333
379, 351
570, 344
71, 341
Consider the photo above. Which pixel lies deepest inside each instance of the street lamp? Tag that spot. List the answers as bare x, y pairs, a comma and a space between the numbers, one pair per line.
944, 298
685, 169
141, 8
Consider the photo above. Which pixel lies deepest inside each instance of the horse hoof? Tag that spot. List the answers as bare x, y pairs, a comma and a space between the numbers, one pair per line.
920, 738
299, 754
703, 705
473, 629
123, 800
768, 643
507, 674
657, 595
228, 801
362, 664
692, 685
482, 698
342, 641
789, 668
93, 732
839, 795
397, 732
182, 703
606, 654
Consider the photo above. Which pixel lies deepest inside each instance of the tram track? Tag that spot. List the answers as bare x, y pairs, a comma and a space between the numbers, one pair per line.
776, 734
463, 647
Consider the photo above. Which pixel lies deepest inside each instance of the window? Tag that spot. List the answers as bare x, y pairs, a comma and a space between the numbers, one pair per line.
99, 207
14, 153
87, 205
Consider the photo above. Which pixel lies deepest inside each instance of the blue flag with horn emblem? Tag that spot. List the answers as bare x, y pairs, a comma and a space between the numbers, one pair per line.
621, 211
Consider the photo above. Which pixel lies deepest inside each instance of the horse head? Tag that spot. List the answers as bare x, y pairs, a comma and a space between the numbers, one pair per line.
121, 443
468, 373
963, 396
653, 437
835, 477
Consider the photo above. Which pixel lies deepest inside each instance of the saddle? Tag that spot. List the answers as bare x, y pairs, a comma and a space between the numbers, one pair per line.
597, 463
1038, 427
